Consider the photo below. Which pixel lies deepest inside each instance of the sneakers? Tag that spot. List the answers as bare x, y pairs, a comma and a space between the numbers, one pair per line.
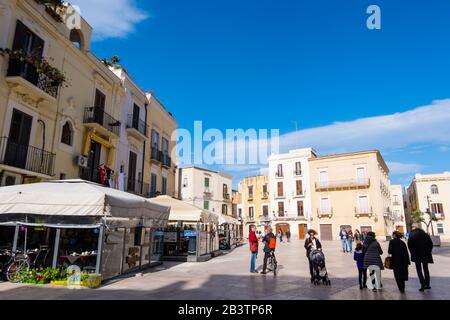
263, 272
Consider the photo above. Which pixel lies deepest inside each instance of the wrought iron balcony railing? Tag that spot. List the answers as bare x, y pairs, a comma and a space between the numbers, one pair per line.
26, 157
343, 184
99, 116
137, 124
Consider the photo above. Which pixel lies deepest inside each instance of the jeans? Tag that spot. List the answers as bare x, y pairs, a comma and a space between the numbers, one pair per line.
350, 245
362, 277
424, 281
253, 262
344, 245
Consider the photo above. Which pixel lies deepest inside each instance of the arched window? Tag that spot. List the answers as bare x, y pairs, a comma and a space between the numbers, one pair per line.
434, 189
67, 134
76, 37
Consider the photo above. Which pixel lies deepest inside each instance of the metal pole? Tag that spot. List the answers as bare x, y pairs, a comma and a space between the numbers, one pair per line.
56, 248
99, 249
197, 249
16, 236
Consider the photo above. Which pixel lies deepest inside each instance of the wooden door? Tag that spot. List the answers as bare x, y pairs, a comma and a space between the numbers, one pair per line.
18, 140
302, 231
326, 232
284, 227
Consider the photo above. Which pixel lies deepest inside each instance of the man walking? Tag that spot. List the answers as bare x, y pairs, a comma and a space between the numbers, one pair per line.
421, 246
253, 241
343, 236
288, 236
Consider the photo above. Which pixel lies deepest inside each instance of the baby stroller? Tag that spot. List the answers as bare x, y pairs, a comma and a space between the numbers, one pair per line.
317, 260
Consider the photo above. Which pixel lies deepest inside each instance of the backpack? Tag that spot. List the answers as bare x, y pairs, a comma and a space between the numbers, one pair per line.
272, 243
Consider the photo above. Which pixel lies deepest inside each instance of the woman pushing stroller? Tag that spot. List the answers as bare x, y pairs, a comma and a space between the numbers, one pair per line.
311, 244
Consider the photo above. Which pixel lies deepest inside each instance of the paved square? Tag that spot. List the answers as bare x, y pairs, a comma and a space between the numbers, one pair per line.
228, 277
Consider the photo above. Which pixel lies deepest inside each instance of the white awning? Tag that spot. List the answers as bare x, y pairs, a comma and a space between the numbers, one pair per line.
77, 198
183, 211
223, 219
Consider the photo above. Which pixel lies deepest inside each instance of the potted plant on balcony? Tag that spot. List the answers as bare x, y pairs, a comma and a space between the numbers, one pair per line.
419, 217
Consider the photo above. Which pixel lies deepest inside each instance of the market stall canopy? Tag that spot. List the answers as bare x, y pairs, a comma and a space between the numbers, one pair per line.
223, 219
183, 211
77, 198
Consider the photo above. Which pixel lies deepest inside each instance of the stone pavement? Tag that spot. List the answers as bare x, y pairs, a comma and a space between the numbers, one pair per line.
228, 277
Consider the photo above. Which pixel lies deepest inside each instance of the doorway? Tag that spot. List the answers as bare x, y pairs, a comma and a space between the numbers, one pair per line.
18, 140
132, 172
94, 162
283, 227
302, 228
326, 232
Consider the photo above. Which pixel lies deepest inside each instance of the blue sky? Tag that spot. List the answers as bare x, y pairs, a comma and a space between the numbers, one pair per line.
268, 64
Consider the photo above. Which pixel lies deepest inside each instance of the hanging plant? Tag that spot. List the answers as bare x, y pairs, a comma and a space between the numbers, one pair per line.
54, 8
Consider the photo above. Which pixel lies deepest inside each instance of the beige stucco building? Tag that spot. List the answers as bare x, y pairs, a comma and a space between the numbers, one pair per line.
255, 202
352, 191
431, 192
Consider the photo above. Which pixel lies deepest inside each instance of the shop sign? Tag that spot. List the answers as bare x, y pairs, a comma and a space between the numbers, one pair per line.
170, 236
159, 233
190, 233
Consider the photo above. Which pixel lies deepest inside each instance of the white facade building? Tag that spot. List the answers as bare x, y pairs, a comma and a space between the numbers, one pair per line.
133, 136
398, 208
290, 199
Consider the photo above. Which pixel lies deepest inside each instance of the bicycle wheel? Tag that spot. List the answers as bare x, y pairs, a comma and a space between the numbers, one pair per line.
274, 267
15, 269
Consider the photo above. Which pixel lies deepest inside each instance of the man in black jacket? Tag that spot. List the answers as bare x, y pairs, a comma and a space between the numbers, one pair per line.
421, 246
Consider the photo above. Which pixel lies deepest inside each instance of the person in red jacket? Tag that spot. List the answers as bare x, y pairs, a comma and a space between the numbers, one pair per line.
253, 241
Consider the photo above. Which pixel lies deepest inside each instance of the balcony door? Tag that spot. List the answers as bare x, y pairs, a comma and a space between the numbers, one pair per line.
132, 172
136, 111
99, 110
19, 139
94, 162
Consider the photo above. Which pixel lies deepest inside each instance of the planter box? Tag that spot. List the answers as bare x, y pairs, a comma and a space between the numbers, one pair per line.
436, 240
93, 282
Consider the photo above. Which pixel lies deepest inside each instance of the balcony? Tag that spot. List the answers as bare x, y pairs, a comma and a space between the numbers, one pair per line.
299, 195
250, 197
226, 197
396, 203
249, 219
26, 157
137, 128
265, 195
363, 212
279, 196
342, 185
138, 188
166, 161
207, 194
279, 175
298, 173
155, 155
24, 78
264, 218
325, 213
98, 119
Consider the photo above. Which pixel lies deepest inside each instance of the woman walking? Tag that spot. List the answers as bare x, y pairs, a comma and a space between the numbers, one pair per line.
312, 243
357, 237
362, 273
372, 255
350, 240
399, 260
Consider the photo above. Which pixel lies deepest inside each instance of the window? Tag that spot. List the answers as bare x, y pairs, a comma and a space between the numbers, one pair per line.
155, 139
164, 186
250, 192
281, 209
206, 205
280, 189
298, 168
165, 146
224, 209
363, 204
434, 189
265, 210
325, 206
225, 190
251, 212
76, 38
323, 177
440, 228
67, 134
240, 212
361, 174
265, 188
206, 184
395, 200
185, 182
153, 182
280, 170
437, 208
300, 211
299, 187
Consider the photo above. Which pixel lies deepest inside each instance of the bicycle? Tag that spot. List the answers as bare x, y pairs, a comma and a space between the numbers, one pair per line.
272, 263
20, 263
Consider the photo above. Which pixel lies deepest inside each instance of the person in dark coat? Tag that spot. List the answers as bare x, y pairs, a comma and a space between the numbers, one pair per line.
421, 246
399, 259
372, 253
312, 243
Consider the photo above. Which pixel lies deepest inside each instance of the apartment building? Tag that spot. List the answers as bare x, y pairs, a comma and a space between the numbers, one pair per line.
350, 191
398, 208
160, 167
431, 193
209, 190
255, 203
134, 135
47, 122
290, 197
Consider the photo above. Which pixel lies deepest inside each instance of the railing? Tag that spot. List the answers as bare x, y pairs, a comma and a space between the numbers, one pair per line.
138, 187
26, 157
99, 116
325, 212
155, 154
361, 212
298, 172
264, 218
338, 184
28, 71
279, 175
265, 195
250, 219
166, 160
137, 124
281, 213
250, 197
226, 196
395, 203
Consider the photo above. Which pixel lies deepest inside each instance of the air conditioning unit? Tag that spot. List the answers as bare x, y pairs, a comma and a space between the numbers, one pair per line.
82, 161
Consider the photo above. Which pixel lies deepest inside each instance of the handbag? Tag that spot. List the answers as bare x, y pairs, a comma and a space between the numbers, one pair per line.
254, 247
387, 263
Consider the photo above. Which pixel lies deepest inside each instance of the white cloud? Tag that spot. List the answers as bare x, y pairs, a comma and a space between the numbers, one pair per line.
111, 19
404, 168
